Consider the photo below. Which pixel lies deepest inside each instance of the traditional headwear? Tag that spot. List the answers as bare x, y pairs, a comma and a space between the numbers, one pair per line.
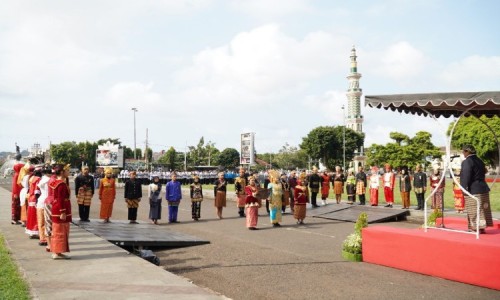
303, 176
274, 174
108, 170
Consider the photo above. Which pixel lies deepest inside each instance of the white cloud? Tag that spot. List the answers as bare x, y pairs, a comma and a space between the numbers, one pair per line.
265, 8
328, 104
479, 71
134, 94
263, 64
400, 62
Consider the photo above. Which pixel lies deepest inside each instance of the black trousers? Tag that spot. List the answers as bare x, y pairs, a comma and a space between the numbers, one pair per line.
83, 211
362, 199
314, 195
267, 206
241, 211
420, 200
132, 214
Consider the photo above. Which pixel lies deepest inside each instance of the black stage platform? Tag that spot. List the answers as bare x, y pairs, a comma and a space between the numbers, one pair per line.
350, 213
122, 233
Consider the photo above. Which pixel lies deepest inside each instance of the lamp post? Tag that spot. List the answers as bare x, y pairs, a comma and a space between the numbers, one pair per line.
343, 134
135, 110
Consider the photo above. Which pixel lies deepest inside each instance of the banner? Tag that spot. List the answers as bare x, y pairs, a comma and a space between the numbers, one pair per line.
109, 155
247, 156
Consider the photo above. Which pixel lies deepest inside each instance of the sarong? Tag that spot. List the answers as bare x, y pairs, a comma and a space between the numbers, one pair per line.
437, 198
241, 200
220, 199
32, 223
84, 196
275, 215
459, 199
59, 241
299, 212
374, 197
485, 217
252, 216
389, 195
360, 188
286, 198
405, 199
338, 187
40, 214
106, 209
48, 219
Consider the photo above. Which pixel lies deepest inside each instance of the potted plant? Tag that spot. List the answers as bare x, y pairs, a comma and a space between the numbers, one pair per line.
352, 248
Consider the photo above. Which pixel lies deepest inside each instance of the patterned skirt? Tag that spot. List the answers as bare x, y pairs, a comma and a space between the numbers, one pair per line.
220, 199
338, 187
299, 212
485, 217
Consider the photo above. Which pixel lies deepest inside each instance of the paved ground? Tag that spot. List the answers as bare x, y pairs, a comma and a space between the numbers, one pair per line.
291, 262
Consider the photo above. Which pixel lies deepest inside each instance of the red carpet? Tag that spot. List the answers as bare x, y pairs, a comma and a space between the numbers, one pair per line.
450, 255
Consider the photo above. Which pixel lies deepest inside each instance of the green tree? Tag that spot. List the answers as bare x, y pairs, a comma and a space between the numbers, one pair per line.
138, 153
229, 158
169, 159
87, 152
66, 152
128, 153
415, 151
291, 157
470, 130
326, 144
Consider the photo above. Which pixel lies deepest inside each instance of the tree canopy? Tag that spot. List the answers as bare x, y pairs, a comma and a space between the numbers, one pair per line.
229, 158
326, 144
470, 130
416, 150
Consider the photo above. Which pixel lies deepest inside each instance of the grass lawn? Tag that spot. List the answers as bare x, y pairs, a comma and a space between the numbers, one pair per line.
12, 285
448, 195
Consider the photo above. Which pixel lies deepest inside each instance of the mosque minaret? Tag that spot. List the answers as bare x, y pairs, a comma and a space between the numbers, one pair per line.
354, 119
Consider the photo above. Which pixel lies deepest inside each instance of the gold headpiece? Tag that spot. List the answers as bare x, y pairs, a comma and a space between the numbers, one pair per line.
273, 174
303, 175
108, 170
67, 167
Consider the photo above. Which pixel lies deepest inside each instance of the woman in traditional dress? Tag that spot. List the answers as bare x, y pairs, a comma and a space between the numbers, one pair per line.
196, 192
252, 204
23, 179
389, 180
338, 183
220, 188
34, 192
325, 186
60, 212
107, 194
275, 198
300, 199
155, 200
374, 185
437, 198
286, 192
405, 187
40, 206
351, 187
458, 195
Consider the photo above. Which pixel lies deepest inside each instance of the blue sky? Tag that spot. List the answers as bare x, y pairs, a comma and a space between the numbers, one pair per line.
72, 70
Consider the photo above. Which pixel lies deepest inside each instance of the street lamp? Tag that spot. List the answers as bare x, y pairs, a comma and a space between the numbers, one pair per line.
135, 110
343, 134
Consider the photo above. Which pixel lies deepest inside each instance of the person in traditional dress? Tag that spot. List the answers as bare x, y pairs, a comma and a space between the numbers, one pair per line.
220, 188
350, 186
286, 192
374, 185
419, 186
435, 179
133, 195
292, 182
405, 187
314, 185
472, 179
361, 186
275, 197
325, 186
173, 194
458, 195
155, 200
16, 190
239, 186
84, 190
301, 199
338, 179
23, 179
34, 193
107, 194
60, 212
389, 180
40, 206
196, 193
252, 204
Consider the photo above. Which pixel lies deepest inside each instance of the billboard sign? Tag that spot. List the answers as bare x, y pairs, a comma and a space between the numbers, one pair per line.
247, 156
109, 155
